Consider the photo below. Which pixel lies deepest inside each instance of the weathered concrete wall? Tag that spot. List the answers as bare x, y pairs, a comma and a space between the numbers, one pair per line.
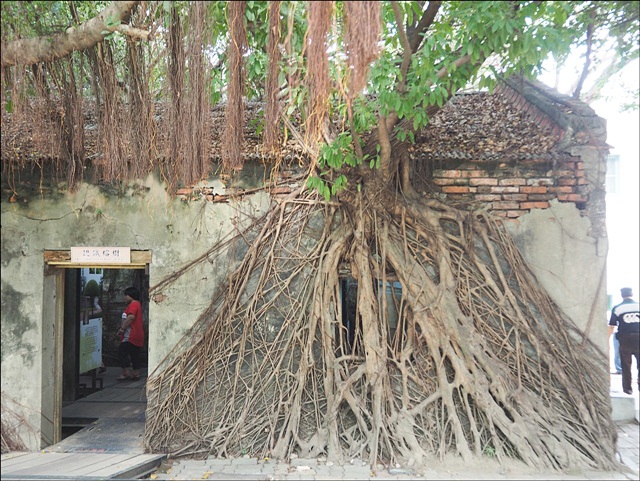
569, 263
558, 242
142, 218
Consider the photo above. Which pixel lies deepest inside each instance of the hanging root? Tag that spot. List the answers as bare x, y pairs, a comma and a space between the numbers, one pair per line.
396, 338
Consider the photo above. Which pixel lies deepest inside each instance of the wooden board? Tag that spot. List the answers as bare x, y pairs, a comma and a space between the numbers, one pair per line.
47, 465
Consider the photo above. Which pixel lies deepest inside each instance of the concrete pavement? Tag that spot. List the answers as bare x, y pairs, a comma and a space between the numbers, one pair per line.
106, 442
625, 413
248, 468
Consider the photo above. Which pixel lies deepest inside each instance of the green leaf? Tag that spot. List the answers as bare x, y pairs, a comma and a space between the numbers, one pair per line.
326, 192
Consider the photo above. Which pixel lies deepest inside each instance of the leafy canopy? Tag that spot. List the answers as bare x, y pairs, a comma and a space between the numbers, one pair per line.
468, 44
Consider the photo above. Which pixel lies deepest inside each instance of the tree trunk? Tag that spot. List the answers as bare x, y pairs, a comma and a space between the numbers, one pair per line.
28, 51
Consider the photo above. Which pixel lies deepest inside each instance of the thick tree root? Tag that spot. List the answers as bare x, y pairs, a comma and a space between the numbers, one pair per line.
479, 361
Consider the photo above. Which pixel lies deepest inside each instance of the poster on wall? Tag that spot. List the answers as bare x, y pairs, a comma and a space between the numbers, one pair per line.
90, 344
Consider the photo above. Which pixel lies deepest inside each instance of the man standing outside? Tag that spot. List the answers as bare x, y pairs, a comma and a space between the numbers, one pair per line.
627, 317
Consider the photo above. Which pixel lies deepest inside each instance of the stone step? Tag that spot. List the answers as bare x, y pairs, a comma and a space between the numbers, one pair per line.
623, 407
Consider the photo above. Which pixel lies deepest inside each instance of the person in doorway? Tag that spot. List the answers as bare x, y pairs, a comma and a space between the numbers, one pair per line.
131, 335
627, 317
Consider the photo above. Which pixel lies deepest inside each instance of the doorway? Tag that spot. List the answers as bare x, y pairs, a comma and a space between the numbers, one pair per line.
89, 302
94, 303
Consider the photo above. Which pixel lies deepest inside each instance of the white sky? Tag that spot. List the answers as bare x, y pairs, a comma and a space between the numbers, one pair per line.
623, 212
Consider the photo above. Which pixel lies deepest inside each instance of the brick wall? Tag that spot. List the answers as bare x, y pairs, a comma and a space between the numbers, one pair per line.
511, 189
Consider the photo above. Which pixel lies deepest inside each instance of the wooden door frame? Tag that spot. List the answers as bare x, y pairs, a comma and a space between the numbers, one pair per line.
55, 263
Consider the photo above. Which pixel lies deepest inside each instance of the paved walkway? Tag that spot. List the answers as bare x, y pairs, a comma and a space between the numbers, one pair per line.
120, 427
311, 469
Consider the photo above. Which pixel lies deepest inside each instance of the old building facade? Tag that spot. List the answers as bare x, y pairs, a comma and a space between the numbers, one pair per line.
524, 153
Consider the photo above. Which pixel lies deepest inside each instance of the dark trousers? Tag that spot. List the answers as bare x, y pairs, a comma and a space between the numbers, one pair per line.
128, 355
629, 346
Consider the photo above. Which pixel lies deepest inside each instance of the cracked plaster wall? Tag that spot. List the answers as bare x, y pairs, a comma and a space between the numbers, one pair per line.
142, 218
558, 242
569, 263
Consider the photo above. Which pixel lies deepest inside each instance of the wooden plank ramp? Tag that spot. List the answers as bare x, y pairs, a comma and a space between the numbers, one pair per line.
80, 466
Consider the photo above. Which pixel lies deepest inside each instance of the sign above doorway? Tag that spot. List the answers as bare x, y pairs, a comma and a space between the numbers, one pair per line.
102, 255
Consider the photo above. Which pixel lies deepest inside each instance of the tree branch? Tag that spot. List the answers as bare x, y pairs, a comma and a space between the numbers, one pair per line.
587, 57
46, 48
133, 32
417, 34
406, 53
613, 67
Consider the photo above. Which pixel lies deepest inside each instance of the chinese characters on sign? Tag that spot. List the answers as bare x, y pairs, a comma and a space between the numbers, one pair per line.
101, 255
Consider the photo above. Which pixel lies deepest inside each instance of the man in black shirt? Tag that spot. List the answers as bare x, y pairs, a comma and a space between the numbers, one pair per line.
627, 317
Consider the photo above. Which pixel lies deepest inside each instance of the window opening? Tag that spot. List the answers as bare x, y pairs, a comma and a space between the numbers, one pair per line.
394, 315
349, 330
612, 179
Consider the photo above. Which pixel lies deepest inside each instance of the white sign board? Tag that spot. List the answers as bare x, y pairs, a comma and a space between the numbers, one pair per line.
90, 344
101, 255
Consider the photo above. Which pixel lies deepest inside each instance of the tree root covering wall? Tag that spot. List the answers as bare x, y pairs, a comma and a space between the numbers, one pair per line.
479, 362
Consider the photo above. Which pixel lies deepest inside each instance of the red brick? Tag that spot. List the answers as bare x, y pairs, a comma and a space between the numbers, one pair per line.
540, 181
446, 173
516, 213
564, 189
439, 181
505, 190
540, 197
505, 205
457, 189
571, 198
185, 191
534, 205
541, 189
579, 173
518, 181
488, 197
519, 197
483, 181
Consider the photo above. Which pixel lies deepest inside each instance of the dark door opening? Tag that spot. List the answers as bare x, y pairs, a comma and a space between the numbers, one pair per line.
93, 307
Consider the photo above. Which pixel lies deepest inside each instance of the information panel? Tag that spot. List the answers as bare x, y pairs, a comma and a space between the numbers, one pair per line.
90, 344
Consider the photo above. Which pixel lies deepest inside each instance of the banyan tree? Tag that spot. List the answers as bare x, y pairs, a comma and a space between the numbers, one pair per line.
363, 314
